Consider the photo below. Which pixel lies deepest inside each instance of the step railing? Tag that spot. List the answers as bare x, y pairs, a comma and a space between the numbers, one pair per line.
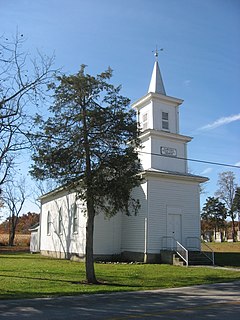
170, 243
195, 243
182, 252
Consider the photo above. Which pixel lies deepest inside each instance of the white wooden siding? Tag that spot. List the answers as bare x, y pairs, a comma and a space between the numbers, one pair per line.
133, 227
147, 109
178, 194
158, 108
168, 163
145, 156
67, 241
107, 234
123, 233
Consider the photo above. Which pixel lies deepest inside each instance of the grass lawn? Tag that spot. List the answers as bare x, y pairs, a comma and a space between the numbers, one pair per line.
224, 246
226, 253
23, 275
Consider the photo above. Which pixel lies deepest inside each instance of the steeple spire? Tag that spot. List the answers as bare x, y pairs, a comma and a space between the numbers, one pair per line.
156, 84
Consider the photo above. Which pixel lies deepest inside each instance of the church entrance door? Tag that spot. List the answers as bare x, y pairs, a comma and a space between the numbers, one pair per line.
174, 226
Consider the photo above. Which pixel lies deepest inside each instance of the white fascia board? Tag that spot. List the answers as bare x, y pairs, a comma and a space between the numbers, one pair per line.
173, 175
156, 96
162, 134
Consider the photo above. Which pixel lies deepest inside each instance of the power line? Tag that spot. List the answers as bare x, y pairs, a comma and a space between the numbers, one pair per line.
193, 160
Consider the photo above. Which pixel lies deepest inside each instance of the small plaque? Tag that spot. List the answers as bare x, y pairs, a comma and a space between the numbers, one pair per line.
170, 152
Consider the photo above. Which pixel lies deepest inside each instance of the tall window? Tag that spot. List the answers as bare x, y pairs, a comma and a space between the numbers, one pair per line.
165, 123
48, 223
75, 217
145, 121
60, 222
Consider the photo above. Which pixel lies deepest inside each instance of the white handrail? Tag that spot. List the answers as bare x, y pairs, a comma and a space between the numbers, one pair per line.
175, 245
182, 252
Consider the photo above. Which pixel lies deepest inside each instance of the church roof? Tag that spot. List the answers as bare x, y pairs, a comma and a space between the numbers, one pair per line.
156, 83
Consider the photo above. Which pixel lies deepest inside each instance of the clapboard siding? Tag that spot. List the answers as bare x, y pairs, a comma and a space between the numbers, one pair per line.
168, 163
65, 241
123, 233
107, 234
133, 227
182, 195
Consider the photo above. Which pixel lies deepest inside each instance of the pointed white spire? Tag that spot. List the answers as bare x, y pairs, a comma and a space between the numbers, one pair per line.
156, 84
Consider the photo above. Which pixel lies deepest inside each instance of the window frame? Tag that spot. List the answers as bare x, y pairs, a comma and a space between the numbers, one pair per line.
60, 221
75, 217
145, 121
165, 121
49, 222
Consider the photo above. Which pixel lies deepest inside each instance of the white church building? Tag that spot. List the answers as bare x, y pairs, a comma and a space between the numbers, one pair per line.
169, 216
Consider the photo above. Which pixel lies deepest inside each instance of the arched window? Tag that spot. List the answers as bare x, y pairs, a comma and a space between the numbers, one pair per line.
49, 223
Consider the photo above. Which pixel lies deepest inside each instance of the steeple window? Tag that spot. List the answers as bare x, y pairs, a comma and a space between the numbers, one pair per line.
165, 123
145, 121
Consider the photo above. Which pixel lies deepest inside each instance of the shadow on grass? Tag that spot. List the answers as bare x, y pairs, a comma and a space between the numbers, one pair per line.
19, 255
80, 282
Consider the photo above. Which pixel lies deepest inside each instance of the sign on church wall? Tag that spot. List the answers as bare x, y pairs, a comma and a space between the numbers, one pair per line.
170, 152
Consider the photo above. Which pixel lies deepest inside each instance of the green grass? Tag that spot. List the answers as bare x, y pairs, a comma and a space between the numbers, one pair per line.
226, 253
29, 276
224, 246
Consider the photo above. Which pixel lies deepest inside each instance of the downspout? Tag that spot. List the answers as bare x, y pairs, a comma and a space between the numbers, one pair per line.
40, 226
145, 239
146, 230
185, 155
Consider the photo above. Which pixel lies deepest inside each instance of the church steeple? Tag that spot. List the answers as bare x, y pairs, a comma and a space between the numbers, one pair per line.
156, 83
158, 119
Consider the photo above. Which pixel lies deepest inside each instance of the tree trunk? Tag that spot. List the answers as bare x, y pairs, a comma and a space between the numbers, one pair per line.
233, 229
12, 230
11, 238
89, 265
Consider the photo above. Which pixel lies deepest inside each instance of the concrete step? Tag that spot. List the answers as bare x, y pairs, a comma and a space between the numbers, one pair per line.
177, 261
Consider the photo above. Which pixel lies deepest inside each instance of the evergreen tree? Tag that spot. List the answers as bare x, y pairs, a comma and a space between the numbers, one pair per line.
236, 204
214, 212
89, 144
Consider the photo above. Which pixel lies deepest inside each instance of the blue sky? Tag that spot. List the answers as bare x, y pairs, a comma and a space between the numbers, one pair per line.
200, 62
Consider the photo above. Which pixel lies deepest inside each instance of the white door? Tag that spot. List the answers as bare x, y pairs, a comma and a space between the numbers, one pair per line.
174, 226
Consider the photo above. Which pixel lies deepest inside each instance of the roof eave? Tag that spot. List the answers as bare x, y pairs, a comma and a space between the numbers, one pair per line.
174, 175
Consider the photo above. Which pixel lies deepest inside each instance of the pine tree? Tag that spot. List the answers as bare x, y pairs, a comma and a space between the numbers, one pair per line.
89, 144
214, 212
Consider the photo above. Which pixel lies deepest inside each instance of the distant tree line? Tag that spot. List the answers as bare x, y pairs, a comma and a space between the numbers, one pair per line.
225, 204
25, 222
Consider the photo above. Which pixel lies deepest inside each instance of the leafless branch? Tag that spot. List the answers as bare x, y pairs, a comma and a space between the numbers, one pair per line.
22, 82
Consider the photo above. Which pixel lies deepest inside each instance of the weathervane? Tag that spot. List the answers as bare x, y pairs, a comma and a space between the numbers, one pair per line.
156, 52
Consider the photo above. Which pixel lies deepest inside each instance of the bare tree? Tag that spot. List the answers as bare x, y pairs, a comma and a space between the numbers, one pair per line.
226, 192
21, 85
14, 197
41, 188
